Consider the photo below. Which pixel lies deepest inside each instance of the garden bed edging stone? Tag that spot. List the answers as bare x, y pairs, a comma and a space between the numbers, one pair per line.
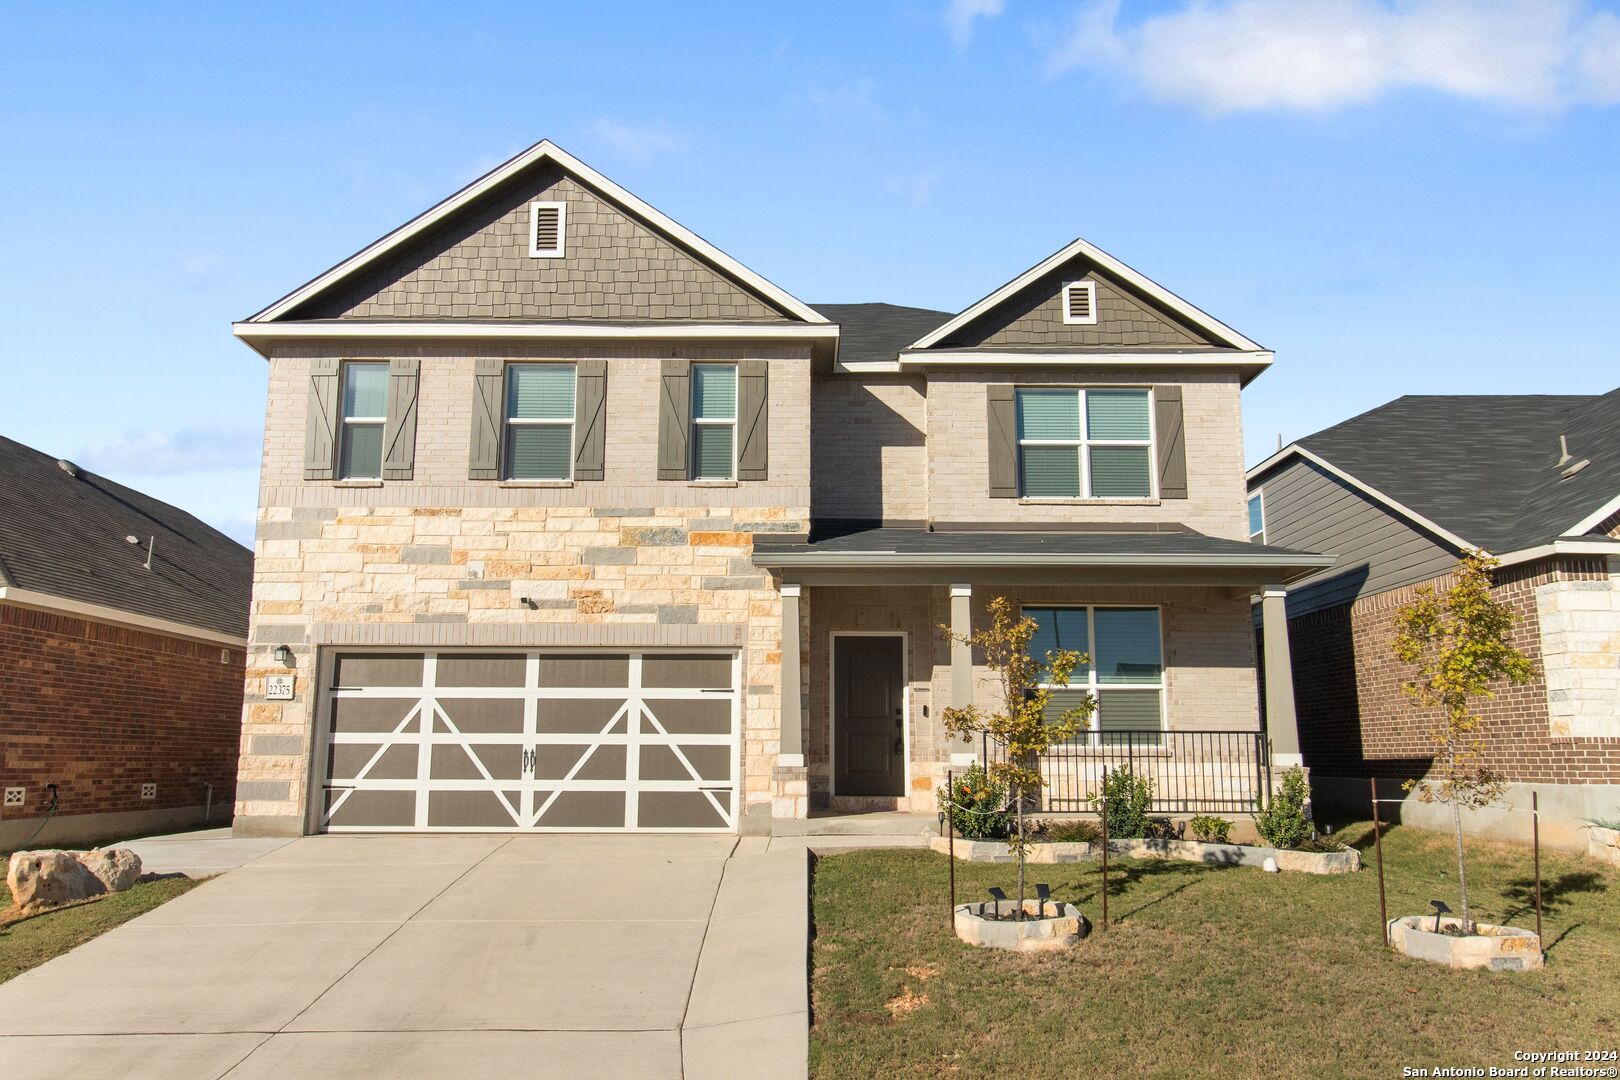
1499, 948
1603, 844
1347, 861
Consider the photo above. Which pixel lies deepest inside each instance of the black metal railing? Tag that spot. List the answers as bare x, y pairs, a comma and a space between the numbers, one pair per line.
1192, 771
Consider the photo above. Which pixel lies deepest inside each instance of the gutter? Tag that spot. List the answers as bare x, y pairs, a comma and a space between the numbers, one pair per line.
772, 558
1560, 547
10, 594
261, 335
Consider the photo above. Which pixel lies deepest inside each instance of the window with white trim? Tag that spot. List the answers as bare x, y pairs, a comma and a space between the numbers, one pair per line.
1085, 444
365, 413
714, 421
1126, 673
548, 227
540, 421
1080, 303
1257, 518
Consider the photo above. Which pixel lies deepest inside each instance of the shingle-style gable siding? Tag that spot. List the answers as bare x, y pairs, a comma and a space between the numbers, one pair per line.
477, 266
1035, 318
1308, 509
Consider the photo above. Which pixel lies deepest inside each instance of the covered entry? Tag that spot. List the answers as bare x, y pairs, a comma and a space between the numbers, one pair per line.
550, 740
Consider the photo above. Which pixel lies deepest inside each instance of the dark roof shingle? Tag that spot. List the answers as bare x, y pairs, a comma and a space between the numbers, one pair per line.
879, 331
65, 535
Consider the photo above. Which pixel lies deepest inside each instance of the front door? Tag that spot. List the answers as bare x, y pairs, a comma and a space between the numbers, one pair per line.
868, 716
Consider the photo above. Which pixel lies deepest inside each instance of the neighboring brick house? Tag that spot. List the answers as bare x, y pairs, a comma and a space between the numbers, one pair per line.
1397, 494
123, 628
552, 486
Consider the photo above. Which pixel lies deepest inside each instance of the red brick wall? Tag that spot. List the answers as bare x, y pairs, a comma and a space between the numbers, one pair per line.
99, 710
1354, 720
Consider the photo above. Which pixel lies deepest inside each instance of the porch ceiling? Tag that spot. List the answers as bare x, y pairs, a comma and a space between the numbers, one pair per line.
922, 556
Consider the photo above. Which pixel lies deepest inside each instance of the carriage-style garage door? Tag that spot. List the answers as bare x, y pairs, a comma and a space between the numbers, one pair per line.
539, 740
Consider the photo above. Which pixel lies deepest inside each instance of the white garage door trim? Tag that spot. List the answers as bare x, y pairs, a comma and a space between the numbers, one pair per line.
535, 796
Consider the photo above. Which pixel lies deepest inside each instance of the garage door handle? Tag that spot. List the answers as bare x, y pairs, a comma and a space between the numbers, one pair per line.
714, 787
718, 690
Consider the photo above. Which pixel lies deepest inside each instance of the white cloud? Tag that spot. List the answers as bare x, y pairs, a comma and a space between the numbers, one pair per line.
962, 15
1235, 55
639, 144
915, 188
191, 449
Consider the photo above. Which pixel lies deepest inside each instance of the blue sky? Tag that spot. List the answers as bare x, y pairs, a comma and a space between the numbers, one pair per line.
1411, 198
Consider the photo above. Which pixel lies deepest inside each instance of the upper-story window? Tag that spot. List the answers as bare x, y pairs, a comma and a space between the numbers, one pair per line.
1126, 673
540, 421
1257, 518
1085, 444
365, 413
714, 421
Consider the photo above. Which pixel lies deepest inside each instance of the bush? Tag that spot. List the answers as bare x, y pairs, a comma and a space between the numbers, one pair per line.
1211, 829
1283, 824
978, 810
1070, 831
1128, 796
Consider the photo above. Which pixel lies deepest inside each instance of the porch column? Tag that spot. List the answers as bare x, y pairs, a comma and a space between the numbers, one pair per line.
791, 753
963, 752
1281, 723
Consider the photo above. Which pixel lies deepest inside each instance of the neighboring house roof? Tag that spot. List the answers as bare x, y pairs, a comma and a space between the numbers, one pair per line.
1021, 548
875, 333
1480, 470
542, 151
63, 535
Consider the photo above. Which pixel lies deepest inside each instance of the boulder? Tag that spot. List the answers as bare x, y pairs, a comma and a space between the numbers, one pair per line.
40, 879
115, 868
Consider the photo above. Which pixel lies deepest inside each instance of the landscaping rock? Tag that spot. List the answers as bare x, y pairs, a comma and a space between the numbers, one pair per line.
988, 925
1499, 948
40, 879
1603, 844
115, 868
1303, 862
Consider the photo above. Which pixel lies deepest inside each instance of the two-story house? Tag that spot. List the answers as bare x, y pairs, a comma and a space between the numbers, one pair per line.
571, 521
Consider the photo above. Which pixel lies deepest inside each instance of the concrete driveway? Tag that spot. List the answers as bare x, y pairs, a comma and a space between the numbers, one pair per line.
433, 956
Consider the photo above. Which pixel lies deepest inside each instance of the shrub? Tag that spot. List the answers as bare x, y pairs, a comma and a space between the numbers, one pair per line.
1162, 828
1071, 831
1606, 823
978, 805
1283, 824
1128, 796
1211, 829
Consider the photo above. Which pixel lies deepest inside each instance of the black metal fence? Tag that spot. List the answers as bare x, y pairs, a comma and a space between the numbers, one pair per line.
1192, 771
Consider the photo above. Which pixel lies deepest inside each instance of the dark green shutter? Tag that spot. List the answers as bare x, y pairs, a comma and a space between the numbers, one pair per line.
674, 419
399, 429
488, 418
1170, 442
320, 425
590, 418
1003, 448
753, 428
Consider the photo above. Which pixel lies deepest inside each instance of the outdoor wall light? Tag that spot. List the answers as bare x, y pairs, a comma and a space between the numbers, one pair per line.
284, 656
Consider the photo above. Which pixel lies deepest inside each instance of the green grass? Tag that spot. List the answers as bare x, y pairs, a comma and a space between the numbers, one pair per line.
31, 942
1206, 972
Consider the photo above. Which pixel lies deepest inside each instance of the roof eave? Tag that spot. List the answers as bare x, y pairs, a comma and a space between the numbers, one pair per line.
33, 598
1249, 363
1292, 566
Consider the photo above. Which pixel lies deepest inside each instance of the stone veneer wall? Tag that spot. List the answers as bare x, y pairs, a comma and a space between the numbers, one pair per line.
1580, 654
958, 455
1208, 655
443, 561
1354, 721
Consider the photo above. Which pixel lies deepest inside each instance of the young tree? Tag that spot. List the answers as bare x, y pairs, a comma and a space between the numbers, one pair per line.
1022, 724
1458, 640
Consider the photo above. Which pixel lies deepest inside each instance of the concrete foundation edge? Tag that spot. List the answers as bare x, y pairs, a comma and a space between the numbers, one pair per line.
83, 830
1565, 809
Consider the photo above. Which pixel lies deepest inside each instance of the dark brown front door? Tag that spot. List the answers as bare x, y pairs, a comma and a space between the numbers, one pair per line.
868, 720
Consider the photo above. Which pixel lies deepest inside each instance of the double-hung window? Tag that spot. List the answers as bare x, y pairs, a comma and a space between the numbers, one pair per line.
714, 421
1084, 444
1126, 673
539, 421
365, 412
1257, 518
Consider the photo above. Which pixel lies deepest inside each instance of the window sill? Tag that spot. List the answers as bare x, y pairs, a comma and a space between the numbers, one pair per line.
357, 483
711, 483
1027, 500
537, 483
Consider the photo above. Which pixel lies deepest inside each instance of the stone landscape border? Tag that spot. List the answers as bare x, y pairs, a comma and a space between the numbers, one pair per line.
1603, 844
1347, 861
1499, 948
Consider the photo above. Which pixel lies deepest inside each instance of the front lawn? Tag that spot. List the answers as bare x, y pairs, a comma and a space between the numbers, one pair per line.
1206, 971
31, 942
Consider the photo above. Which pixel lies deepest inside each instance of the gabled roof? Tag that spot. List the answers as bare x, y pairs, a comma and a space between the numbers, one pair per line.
1478, 470
63, 534
1111, 266
541, 151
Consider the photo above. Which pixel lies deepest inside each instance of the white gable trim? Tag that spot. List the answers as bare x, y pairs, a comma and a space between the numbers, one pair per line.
261, 336
1595, 518
546, 150
1294, 449
1111, 265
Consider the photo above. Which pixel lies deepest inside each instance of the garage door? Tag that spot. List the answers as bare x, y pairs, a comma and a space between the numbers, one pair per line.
531, 741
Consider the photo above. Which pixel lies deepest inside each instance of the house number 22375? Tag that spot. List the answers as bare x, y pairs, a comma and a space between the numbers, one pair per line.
278, 687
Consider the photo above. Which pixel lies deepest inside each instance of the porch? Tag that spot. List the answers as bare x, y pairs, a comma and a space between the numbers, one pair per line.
1165, 615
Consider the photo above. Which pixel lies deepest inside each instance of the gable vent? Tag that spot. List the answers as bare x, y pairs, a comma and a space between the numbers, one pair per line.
1080, 303
548, 224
